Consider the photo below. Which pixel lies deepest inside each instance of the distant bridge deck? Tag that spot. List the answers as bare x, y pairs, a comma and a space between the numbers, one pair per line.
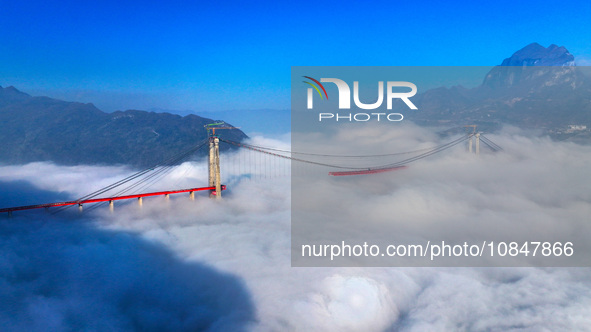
105, 199
366, 171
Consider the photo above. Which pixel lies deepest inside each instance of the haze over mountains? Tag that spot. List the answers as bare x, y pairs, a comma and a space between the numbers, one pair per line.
537, 87
46, 129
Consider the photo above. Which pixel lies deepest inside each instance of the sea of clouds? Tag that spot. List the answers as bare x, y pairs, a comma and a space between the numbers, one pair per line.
208, 265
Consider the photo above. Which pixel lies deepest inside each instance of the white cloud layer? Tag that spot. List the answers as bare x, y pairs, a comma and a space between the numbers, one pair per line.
207, 265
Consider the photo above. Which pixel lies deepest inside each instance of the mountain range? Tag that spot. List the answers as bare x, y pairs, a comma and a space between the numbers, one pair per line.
69, 133
537, 87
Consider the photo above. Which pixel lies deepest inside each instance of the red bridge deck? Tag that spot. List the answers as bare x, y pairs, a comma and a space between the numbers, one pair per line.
105, 199
366, 171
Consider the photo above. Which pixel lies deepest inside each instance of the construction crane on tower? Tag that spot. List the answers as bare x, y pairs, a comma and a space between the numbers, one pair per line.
212, 127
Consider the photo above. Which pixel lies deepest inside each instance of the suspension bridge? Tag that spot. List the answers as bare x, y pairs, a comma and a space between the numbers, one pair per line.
338, 165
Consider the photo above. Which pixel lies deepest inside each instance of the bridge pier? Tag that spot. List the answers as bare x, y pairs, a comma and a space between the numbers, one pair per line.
111, 206
140, 201
80, 208
192, 195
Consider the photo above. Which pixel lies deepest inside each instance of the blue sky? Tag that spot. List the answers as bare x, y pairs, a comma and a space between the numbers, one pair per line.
190, 55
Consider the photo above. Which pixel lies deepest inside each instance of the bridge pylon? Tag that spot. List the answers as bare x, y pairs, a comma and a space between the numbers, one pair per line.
215, 178
474, 136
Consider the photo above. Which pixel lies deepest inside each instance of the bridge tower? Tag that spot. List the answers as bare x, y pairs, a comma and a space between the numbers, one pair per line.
475, 136
215, 178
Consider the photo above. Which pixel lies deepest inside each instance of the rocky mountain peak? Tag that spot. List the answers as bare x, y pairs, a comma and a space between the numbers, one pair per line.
534, 67
535, 54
